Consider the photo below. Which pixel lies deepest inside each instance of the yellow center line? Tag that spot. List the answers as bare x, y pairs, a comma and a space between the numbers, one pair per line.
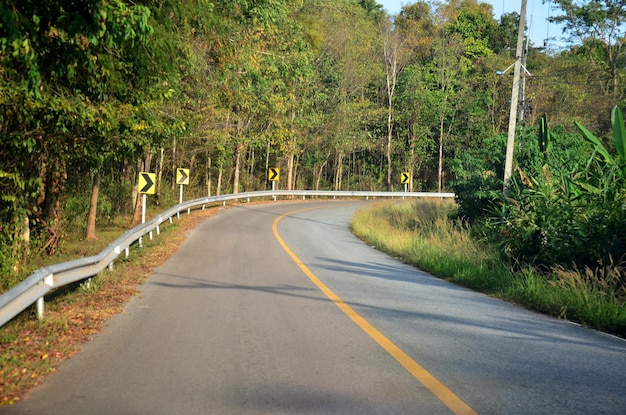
445, 395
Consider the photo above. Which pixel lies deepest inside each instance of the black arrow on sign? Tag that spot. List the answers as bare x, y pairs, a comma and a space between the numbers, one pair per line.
183, 178
149, 183
274, 174
405, 178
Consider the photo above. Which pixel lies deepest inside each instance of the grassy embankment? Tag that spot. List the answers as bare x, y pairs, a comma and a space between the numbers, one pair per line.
422, 234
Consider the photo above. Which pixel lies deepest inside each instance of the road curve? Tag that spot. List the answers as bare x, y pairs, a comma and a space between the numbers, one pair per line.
256, 313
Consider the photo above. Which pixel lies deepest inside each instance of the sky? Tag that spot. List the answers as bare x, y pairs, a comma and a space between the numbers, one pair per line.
537, 14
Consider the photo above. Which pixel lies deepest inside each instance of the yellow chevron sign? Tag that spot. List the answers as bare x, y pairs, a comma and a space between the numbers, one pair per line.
146, 183
274, 174
182, 176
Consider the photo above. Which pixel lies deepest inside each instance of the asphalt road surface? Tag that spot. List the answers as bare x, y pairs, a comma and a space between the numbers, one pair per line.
262, 313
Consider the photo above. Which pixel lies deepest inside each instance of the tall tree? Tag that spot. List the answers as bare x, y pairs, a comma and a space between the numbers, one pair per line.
395, 58
599, 26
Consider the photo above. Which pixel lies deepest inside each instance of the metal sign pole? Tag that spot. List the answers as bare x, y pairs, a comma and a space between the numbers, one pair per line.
143, 216
143, 208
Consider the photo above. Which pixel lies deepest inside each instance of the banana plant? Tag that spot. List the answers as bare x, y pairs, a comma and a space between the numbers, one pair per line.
544, 136
619, 140
545, 143
619, 137
615, 165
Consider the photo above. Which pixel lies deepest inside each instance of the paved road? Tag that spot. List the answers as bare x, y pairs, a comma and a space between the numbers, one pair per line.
263, 314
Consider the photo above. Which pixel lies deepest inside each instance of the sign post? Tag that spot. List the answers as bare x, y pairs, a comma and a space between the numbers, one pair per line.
273, 176
405, 178
182, 177
145, 186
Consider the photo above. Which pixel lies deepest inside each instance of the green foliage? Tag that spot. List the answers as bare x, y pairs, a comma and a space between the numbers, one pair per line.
619, 134
573, 216
552, 223
61, 41
479, 178
545, 140
478, 181
476, 28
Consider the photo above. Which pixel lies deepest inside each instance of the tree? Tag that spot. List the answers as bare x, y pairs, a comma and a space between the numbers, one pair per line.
395, 58
348, 65
599, 27
66, 57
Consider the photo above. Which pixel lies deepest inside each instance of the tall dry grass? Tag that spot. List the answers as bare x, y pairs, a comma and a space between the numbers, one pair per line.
423, 233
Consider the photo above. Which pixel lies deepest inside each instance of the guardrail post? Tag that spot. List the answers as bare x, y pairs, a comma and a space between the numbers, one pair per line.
49, 281
40, 307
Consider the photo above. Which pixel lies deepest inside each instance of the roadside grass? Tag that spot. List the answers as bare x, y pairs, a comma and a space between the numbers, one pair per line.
30, 349
72, 246
422, 234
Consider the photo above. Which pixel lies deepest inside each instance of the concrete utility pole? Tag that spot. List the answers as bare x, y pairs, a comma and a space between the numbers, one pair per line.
519, 54
522, 88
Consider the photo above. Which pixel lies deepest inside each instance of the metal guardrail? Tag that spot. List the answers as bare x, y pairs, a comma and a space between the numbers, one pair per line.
33, 289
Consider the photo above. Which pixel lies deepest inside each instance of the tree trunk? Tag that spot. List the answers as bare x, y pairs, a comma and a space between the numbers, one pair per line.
207, 174
338, 171
142, 166
290, 158
174, 162
318, 177
251, 162
159, 177
411, 159
218, 187
295, 173
238, 150
93, 208
54, 185
440, 168
137, 202
26, 231
389, 136
267, 160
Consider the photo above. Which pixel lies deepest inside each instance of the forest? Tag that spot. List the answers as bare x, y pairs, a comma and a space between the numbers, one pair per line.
336, 93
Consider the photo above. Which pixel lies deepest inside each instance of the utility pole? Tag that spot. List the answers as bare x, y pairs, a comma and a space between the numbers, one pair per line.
519, 54
522, 88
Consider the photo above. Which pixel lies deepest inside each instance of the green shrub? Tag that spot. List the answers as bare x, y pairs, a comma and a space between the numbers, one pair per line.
565, 213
